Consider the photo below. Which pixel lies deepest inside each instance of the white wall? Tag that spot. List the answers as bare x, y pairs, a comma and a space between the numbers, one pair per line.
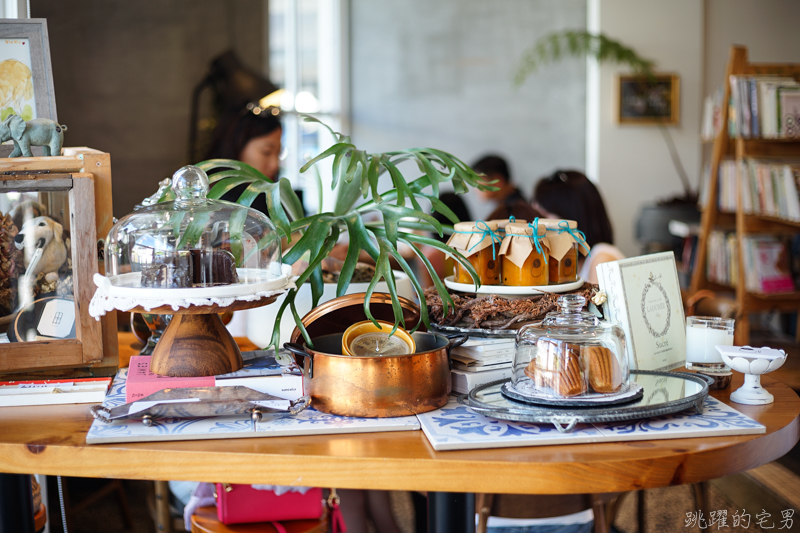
631, 164
439, 74
768, 28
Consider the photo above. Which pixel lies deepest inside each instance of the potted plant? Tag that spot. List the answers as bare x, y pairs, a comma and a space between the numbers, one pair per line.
356, 174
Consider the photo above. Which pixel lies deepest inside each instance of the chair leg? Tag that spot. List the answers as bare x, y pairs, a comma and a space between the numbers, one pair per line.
163, 520
700, 491
599, 510
640, 518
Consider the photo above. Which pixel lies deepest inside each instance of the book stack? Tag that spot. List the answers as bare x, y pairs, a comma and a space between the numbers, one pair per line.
479, 361
763, 107
261, 372
770, 188
723, 259
53, 391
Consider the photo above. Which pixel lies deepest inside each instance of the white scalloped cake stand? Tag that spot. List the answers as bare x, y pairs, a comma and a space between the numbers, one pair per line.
196, 342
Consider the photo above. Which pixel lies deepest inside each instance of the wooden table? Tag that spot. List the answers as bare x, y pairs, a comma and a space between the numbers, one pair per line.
51, 440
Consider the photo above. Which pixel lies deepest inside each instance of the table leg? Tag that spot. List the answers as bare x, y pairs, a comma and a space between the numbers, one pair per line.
16, 504
451, 512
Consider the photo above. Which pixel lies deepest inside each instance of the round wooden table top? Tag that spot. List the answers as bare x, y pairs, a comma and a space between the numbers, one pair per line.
51, 440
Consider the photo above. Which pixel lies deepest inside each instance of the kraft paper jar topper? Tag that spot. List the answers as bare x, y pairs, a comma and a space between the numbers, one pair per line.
520, 242
562, 235
524, 255
503, 222
471, 237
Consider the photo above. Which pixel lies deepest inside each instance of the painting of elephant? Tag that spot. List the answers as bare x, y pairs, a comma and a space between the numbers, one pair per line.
37, 132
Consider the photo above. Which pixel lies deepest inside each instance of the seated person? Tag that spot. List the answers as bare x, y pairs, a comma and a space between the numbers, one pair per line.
570, 195
508, 198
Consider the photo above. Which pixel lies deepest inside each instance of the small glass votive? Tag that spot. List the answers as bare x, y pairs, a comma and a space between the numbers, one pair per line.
703, 333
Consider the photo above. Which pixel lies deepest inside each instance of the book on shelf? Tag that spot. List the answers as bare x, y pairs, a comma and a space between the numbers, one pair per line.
767, 265
479, 366
257, 374
463, 381
770, 188
789, 111
756, 109
53, 391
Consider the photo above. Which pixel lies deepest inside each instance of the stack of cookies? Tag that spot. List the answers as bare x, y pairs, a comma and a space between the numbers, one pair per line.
571, 370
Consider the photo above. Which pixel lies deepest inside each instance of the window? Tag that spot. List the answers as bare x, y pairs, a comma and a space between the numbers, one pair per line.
307, 51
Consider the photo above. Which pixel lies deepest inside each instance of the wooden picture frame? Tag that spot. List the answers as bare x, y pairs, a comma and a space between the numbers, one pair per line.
85, 174
34, 32
648, 100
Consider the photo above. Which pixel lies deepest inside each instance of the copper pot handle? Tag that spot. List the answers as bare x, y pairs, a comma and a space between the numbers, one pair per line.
456, 340
299, 355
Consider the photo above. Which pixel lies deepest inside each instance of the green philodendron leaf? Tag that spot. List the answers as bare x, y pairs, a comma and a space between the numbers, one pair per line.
447, 301
423, 306
223, 186
392, 214
235, 168
333, 150
236, 230
373, 174
456, 255
194, 230
383, 271
290, 200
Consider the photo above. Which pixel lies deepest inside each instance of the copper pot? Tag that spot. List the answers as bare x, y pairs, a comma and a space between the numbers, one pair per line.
370, 387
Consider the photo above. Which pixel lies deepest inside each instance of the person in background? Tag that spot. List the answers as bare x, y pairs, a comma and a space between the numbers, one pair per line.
507, 197
570, 195
252, 138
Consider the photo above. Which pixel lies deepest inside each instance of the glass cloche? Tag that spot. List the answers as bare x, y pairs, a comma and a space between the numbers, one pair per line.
194, 243
570, 354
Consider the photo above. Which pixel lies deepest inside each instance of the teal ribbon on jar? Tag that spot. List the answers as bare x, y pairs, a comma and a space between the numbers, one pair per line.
536, 238
564, 226
486, 231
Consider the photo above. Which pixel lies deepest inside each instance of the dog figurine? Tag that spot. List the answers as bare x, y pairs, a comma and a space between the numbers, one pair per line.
41, 237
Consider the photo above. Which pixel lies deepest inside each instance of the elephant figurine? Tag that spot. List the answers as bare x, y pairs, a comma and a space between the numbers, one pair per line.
37, 132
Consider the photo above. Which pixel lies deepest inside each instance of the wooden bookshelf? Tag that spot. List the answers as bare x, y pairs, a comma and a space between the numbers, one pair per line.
713, 219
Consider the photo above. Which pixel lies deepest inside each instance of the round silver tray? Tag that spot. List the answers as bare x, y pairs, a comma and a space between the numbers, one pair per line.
477, 332
664, 393
629, 393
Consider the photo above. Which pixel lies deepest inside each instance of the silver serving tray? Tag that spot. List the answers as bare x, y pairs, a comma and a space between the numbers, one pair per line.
664, 393
477, 332
201, 402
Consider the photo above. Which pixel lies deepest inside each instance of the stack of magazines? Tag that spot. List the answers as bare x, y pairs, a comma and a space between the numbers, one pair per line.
479, 361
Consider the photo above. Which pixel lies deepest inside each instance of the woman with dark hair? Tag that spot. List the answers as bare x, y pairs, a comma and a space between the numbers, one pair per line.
570, 195
251, 135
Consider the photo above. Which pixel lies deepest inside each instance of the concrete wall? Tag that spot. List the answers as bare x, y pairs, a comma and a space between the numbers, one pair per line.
124, 74
631, 163
438, 74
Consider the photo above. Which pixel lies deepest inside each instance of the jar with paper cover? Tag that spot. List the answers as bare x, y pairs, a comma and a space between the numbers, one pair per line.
480, 243
524, 255
565, 241
570, 354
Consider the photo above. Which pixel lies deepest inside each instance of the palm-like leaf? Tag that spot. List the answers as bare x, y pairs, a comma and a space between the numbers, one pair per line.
554, 46
356, 178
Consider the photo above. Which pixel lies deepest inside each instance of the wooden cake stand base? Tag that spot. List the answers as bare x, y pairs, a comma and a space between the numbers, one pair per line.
196, 342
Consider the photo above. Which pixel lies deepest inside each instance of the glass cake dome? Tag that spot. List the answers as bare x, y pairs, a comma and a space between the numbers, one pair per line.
195, 244
570, 354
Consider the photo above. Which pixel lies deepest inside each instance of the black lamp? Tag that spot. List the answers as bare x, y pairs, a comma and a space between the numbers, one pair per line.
233, 85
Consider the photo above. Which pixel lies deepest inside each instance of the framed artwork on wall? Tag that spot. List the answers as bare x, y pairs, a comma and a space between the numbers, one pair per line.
648, 100
26, 75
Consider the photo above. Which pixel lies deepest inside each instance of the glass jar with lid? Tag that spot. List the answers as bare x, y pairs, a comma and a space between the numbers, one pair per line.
480, 243
524, 255
570, 354
565, 243
193, 242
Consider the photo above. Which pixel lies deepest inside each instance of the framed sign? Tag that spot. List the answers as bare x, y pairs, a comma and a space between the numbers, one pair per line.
26, 75
648, 99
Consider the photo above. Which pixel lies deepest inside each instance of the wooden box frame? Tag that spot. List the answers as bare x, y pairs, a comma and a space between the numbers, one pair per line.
646, 87
86, 174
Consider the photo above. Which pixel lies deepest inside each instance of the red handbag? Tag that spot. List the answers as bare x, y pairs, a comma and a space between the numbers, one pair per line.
239, 504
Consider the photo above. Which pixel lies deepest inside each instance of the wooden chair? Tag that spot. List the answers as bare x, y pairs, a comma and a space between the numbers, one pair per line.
205, 521
524, 506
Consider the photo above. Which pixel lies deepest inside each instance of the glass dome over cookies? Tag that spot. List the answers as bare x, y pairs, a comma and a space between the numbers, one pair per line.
194, 243
570, 355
